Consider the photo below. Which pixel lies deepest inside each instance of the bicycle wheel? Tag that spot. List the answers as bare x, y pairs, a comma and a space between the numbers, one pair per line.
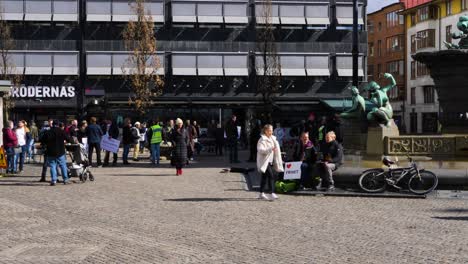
373, 181
426, 182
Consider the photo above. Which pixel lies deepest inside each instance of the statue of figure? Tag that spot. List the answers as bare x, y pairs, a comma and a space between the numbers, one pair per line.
462, 25
382, 113
358, 108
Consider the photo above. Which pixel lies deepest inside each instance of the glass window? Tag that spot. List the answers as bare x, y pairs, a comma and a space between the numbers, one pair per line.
184, 61
65, 60
235, 61
261, 11
448, 34
379, 48
346, 11
210, 61
38, 60
370, 27
448, 7
292, 62
65, 7
429, 97
155, 8
414, 122
317, 62
210, 9
292, 10
183, 9
235, 10
38, 7
12, 6
371, 49
122, 8
413, 70
99, 60
320, 11
16, 60
413, 95
100, 7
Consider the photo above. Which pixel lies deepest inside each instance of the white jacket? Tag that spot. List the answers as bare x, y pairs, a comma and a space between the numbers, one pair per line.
265, 148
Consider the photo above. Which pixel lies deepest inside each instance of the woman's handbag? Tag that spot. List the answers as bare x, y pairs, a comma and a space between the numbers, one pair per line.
18, 150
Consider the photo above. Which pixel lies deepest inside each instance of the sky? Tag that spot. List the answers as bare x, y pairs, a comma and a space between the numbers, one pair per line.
374, 5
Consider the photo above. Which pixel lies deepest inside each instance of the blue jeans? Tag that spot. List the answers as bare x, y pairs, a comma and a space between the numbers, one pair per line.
155, 152
61, 162
20, 157
31, 149
126, 150
10, 152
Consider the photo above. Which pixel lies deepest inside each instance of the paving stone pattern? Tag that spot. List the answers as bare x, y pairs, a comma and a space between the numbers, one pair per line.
140, 214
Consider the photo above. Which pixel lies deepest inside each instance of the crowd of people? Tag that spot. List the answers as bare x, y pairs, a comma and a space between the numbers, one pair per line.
315, 143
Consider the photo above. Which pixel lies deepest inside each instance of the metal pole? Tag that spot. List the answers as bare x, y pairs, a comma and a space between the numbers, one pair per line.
82, 59
355, 51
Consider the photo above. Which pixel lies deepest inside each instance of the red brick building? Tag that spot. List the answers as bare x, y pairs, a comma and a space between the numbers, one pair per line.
386, 52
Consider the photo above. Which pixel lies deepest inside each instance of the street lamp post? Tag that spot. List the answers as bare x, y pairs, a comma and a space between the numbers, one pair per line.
355, 51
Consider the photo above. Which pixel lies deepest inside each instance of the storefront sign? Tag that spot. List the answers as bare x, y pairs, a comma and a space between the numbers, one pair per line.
43, 92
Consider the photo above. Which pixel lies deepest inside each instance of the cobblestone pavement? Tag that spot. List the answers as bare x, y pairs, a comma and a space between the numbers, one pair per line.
140, 214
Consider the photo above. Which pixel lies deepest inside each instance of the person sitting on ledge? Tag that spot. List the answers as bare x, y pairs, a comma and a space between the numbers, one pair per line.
332, 159
304, 150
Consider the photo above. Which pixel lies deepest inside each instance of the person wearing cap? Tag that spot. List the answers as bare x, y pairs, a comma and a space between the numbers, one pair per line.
94, 134
180, 140
136, 142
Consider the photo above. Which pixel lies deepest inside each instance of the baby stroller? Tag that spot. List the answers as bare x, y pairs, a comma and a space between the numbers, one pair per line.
80, 166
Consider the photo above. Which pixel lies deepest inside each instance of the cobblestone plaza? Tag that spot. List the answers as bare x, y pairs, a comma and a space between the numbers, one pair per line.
140, 214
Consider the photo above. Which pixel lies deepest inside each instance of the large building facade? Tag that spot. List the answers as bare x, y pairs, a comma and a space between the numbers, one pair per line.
386, 54
428, 25
70, 55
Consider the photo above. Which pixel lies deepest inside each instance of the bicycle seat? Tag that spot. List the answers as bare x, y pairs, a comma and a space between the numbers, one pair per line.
387, 161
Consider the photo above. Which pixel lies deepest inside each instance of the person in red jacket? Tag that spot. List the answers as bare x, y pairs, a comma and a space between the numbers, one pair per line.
10, 141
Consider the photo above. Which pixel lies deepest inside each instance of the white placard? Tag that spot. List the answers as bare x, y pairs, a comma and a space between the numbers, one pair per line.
292, 170
110, 144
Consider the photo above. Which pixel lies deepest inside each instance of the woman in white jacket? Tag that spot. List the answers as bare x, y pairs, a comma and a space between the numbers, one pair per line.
268, 159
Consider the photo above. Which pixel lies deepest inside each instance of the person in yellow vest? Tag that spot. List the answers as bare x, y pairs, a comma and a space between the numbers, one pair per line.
156, 138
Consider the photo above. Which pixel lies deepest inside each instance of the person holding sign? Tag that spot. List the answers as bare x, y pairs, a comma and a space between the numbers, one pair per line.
305, 151
268, 159
332, 158
112, 131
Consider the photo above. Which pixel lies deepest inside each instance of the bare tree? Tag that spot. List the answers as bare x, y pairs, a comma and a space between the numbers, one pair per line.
268, 74
7, 67
141, 67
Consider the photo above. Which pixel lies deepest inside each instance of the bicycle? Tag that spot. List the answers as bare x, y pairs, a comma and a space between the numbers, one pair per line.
417, 181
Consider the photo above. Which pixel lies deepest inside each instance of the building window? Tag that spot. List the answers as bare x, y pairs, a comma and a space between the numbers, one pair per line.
426, 13
414, 123
428, 94
413, 19
430, 122
401, 67
395, 67
413, 43
380, 26
370, 27
425, 39
393, 19
395, 43
371, 49
379, 71
421, 69
448, 7
448, 34
413, 95
413, 71
393, 93
370, 71
464, 4
379, 48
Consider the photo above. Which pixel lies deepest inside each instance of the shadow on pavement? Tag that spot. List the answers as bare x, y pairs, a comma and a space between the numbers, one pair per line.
141, 175
452, 210
211, 200
456, 218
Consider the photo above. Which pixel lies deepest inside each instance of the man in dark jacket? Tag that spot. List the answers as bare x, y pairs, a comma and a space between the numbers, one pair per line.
94, 134
332, 152
127, 140
112, 130
232, 135
54, 140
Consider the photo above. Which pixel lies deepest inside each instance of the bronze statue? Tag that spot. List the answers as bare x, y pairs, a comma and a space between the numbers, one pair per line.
382, 113
462, 25
358, 108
